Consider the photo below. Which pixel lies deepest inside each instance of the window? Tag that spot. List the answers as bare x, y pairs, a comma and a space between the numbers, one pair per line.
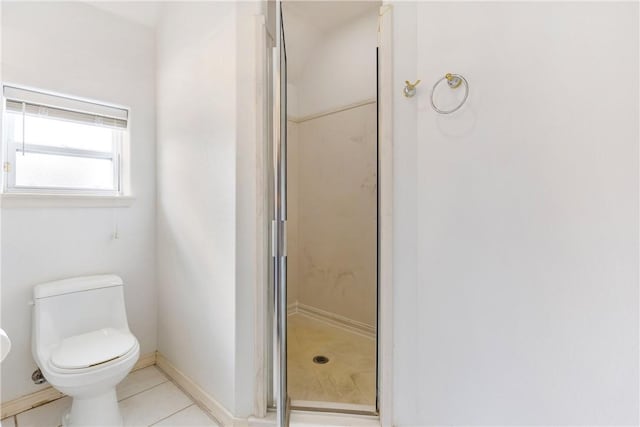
57, 144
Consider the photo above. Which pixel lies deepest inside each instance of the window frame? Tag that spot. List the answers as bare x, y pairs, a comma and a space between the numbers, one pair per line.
11, 149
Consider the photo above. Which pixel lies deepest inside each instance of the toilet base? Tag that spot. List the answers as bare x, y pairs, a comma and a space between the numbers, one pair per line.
100, 410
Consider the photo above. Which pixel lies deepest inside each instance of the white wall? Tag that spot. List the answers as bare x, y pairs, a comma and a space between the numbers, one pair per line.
251, 112
207, 192
79, 50
342, 68
516, 219
196, 193
207, 195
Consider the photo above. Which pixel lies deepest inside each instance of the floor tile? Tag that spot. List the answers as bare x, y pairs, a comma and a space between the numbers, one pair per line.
153, 405
146, 397
191, 417
49, 415
140, 380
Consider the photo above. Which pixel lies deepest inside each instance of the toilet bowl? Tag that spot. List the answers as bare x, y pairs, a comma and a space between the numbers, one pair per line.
82, 344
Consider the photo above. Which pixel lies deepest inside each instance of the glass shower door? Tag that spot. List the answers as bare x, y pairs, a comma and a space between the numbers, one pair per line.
279, 224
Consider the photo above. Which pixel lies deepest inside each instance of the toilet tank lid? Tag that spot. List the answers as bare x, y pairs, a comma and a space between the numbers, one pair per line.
75, 284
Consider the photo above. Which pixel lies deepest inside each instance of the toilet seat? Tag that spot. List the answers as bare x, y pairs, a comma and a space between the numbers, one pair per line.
93, 348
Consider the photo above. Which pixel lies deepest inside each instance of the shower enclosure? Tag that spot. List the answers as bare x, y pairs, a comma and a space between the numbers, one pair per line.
323, 204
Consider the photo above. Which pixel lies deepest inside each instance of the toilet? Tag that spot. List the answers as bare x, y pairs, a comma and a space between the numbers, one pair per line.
82, 344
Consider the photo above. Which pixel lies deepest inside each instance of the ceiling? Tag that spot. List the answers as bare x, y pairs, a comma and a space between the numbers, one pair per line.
317, 16
306, 21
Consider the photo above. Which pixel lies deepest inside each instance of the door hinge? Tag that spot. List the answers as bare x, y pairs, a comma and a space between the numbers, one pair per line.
283, 241
278, 238
274, 238
7, 167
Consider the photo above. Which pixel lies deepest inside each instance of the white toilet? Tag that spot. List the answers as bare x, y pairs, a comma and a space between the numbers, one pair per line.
82, 344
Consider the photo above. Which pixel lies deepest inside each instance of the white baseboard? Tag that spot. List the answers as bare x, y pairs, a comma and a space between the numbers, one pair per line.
49, 394
24, 403
205, 401
336, 320
145, 361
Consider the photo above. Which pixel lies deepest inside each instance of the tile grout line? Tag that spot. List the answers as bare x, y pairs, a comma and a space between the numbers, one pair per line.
36, 407
143, 391
171, 415
196, 402
170, 380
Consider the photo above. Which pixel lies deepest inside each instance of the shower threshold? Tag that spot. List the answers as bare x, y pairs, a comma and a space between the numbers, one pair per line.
347, 408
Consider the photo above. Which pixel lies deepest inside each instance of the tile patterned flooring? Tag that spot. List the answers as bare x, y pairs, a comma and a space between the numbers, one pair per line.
350, 375
147, 398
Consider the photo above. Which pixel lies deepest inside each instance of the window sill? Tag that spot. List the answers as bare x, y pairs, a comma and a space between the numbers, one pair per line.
38, 200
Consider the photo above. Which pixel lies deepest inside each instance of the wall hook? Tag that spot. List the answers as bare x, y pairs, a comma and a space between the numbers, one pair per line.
409, 90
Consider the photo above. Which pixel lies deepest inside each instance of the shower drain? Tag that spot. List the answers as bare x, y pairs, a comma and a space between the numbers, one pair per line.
320, 360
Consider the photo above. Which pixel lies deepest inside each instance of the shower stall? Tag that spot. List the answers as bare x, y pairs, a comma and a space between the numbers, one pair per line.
324, 206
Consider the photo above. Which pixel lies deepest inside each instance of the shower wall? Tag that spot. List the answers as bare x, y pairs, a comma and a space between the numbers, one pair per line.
293, 276
337, 213
332, 177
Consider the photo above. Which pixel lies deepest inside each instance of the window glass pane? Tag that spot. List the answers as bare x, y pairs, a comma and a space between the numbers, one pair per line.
46, 170
14, 126
59, 133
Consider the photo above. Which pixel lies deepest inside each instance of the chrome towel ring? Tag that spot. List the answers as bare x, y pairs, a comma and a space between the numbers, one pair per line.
454, 81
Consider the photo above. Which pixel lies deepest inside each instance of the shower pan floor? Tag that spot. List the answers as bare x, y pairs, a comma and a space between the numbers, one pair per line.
349, 375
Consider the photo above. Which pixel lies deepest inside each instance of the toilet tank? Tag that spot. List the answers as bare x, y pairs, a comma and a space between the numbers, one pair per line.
74, 306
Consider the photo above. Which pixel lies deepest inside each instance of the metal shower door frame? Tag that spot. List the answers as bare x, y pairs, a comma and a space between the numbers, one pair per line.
279, 223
